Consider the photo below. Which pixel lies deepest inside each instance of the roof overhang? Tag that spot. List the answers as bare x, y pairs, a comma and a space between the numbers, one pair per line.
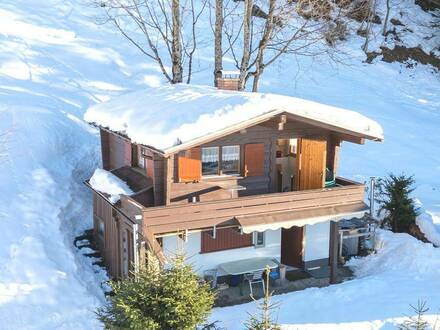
345, 134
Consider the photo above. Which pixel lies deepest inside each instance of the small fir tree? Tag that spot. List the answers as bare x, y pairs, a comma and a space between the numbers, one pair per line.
395, 201
416, 322
263, 320
157, 299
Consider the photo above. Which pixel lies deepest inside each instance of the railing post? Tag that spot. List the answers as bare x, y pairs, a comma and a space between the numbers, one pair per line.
371, 197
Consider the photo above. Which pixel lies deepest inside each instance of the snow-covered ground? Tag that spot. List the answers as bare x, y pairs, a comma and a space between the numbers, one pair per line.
378, 299
55, 62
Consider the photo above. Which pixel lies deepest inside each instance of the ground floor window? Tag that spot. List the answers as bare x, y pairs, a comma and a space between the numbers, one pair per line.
259, 239
101, 228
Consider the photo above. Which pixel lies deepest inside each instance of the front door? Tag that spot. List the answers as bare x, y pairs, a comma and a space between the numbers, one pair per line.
311, 162
292, 246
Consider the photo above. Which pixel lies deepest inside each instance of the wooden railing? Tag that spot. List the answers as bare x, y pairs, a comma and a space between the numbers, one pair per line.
204, 214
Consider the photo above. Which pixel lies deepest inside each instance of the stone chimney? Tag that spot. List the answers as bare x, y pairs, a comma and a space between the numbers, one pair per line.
229, 80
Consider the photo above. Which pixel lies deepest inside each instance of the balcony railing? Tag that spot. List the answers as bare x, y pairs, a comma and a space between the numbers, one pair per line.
172, 218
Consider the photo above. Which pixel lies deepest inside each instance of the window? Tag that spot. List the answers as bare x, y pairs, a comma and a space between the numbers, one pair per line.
259, 239
141, 158
231, 159
210, 157
101, 228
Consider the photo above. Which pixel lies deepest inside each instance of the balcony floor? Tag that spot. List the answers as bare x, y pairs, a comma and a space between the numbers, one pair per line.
295, 280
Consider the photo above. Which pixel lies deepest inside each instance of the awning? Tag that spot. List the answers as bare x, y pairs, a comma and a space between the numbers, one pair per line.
288, 219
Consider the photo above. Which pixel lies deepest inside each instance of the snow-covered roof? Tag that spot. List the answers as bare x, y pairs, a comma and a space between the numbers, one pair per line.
108, 183
170, 115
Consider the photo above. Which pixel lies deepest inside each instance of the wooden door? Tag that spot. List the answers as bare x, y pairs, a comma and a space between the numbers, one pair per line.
311, 162
254, 159
292, 246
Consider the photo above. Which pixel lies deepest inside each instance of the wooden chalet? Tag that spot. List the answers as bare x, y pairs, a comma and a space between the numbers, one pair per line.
264, 186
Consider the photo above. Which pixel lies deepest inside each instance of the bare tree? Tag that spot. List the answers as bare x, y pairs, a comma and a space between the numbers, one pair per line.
163, 30
218, 36
387, 16
273, 28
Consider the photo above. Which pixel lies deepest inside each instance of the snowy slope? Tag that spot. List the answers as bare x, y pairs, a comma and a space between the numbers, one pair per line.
55, 62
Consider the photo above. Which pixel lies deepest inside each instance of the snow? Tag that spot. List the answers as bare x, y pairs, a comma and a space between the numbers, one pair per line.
185, 112
108, 183
56, 62
401, 272
429, 225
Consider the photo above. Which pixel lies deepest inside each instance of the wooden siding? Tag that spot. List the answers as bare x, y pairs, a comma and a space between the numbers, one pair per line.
205, 214
119, 151
103, 211
105, 149
226, 238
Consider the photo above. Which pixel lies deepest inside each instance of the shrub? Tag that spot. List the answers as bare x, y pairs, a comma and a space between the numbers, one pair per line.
395, 201
159, 299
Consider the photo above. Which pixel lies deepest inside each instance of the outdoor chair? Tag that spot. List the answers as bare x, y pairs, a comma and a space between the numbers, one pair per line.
210, 276
255, 278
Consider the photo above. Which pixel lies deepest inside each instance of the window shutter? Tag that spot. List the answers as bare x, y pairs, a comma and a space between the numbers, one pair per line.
190, 167
254, 159
226, 238
134, 155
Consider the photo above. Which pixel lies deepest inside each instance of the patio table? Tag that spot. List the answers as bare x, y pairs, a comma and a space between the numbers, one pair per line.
250, 265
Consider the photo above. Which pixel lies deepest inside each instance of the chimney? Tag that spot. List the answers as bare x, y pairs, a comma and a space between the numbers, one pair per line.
229, 80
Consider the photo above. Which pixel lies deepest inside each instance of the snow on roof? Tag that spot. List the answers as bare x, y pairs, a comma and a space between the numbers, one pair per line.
108, 183
168, 115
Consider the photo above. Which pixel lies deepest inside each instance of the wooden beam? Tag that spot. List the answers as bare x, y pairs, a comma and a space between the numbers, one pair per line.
334, 244
351, 138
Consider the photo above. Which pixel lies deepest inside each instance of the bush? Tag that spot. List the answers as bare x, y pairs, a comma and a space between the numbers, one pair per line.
395, 201
159, 299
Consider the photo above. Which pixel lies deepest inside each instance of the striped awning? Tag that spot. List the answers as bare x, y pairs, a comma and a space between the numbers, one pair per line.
288, 219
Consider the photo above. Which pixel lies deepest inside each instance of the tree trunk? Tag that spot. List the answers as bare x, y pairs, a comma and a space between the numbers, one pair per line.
176, 47
218, 31
387, 15
259, 64
246, 43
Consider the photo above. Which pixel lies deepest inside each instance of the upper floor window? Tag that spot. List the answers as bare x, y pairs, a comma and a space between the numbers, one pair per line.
229, 164
231, 159
210, 160
141, 157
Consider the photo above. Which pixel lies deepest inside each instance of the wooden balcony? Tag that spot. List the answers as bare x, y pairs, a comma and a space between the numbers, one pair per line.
347, 196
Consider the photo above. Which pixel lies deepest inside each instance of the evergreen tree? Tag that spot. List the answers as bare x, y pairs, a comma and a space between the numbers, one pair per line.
417, 322
263, 320
394, 198
159, 299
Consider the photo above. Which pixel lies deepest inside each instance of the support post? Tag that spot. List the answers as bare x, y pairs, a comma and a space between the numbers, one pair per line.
135, 249
334, 242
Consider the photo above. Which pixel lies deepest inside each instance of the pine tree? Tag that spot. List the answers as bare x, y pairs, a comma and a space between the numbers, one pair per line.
394, 198
157, 299
263, 320
416, 322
